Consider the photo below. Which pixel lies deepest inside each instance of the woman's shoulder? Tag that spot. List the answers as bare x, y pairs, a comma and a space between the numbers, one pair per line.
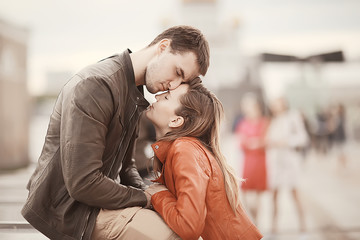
190, 149
185, 142
187, 145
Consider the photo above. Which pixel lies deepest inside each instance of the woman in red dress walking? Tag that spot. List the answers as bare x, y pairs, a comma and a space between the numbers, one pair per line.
251, 131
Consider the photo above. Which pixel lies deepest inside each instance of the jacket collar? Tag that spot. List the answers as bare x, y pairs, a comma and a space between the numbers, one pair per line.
161, 149
137, 90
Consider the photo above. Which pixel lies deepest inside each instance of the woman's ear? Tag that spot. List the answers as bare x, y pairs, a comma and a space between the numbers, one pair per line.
176, 122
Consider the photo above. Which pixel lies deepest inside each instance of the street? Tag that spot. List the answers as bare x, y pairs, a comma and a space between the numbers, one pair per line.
330, 196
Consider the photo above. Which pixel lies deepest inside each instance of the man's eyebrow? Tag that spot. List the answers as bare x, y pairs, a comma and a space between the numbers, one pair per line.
182, 73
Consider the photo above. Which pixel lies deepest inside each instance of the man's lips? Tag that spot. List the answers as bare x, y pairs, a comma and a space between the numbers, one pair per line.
163, 87
149, 107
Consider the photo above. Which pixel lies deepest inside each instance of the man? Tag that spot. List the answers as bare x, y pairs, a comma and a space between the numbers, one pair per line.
86, 162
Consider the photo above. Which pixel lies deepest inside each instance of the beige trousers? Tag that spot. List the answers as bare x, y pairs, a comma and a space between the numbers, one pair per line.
131, 223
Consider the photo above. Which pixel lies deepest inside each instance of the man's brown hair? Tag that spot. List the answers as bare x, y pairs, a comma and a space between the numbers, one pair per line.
187, 39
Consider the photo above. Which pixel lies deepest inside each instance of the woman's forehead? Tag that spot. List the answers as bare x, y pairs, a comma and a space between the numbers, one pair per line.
180, 90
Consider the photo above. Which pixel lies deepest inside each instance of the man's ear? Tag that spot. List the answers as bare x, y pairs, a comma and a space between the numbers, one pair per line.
176, 122
163, 44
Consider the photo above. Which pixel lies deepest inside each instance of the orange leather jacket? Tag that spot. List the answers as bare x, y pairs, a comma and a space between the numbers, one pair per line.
196, 203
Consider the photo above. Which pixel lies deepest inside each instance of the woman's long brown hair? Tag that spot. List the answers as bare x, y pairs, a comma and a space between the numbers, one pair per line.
202, 113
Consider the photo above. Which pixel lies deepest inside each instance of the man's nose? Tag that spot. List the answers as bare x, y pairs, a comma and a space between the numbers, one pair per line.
174, 83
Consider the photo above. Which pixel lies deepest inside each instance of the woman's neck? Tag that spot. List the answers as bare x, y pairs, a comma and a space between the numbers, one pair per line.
160, 133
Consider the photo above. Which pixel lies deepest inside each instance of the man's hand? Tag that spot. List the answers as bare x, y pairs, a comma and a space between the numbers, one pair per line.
148, 198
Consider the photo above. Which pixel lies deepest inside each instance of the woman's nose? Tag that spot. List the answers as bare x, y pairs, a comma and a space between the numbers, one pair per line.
159, 96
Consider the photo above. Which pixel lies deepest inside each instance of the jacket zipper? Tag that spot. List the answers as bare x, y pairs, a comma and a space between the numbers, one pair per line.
112, 164
118, 150
86, 223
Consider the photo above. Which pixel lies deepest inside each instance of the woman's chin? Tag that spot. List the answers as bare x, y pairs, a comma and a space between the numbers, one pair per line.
148, 115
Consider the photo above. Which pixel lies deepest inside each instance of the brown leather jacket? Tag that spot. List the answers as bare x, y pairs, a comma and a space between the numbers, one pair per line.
196, 203
88, 152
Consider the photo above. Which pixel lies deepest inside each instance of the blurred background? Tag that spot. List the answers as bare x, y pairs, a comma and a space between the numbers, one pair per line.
307, 52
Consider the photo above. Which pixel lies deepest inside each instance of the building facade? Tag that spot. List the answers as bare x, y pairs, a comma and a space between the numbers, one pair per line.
14, 97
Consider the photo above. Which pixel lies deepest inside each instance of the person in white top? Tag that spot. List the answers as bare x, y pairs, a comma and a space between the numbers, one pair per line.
285, 137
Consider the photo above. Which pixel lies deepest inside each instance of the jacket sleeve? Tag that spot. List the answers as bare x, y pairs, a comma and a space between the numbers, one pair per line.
86, 114
185, 211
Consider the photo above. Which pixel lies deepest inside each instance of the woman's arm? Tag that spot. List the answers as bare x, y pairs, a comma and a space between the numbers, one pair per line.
185, 211
299, 136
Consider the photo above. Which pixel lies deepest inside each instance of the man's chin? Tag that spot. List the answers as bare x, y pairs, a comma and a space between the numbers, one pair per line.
151, 89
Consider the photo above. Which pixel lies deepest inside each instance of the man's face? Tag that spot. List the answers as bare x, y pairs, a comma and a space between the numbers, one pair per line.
166, 71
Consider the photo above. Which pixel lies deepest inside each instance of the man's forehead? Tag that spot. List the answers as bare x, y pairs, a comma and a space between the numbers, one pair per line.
190, 74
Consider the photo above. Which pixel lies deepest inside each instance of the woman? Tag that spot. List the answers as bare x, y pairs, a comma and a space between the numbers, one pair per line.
286, 136
201, 197
251, 131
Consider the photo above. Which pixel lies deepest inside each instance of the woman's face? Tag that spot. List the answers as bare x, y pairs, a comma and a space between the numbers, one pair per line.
251, 109
162, 112
278, 105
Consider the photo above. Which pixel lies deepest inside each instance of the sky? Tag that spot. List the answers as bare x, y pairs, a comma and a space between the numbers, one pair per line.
68, 35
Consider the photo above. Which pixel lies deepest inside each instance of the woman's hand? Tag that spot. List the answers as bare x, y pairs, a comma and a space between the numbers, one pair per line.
154, 188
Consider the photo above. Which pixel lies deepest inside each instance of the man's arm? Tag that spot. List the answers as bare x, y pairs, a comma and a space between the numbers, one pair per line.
85, 117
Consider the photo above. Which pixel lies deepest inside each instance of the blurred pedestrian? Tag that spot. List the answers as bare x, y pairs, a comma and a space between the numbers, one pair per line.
285, 135
251, 131
322, 132
309, 131
337, 133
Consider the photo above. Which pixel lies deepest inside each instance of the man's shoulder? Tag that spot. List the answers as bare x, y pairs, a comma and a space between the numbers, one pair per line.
103, 69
